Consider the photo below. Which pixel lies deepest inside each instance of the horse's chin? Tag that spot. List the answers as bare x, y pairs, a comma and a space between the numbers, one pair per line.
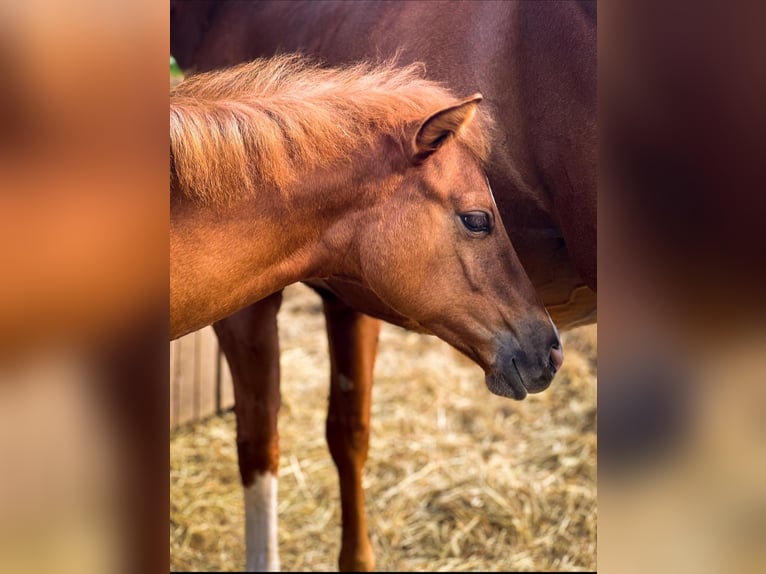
510, 386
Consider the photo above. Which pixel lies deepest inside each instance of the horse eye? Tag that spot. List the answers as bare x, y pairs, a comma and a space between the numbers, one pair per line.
476, 221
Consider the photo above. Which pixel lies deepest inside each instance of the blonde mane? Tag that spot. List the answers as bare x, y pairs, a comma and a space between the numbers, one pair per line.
269, 120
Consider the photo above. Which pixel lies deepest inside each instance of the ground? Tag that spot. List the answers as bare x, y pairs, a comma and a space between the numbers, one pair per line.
457, 479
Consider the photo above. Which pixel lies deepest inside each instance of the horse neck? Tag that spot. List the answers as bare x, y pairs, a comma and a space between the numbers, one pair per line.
224, 258
326, 207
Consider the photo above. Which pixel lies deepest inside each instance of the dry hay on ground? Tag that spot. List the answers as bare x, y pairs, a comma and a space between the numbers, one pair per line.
457, 478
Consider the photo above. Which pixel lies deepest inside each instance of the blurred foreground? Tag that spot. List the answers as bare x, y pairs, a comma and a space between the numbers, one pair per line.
83, 286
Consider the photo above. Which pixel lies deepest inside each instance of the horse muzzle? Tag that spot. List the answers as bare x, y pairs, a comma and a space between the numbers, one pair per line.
519, 370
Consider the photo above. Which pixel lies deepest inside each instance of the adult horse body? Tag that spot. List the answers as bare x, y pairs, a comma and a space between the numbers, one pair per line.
535, 63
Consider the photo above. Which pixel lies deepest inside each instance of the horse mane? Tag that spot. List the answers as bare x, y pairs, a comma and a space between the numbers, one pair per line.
270, 120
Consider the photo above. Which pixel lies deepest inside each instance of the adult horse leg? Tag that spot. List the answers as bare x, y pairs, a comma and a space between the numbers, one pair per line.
353, 339
250, 341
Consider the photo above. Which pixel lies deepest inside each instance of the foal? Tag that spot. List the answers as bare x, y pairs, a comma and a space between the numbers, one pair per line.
283, 171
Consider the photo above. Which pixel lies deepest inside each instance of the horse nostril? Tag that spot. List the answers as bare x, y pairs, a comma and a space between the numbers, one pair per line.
557, 357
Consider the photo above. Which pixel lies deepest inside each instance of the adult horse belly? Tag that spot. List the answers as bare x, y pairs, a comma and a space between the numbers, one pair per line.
570, 302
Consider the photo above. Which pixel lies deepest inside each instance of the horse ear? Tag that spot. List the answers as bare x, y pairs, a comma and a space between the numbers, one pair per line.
434, 131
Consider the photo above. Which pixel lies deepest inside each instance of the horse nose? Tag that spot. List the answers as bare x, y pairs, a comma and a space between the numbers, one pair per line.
525, 365
556, 357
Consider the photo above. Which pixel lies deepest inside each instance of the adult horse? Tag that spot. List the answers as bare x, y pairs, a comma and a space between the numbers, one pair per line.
535, 63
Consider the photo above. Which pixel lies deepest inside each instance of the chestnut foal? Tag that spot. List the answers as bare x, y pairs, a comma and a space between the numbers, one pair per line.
283, 171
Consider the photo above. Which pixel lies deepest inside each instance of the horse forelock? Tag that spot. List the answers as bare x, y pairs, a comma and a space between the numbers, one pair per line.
269, 121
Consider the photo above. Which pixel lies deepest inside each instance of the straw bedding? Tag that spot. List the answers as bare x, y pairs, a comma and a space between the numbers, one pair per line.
457, 479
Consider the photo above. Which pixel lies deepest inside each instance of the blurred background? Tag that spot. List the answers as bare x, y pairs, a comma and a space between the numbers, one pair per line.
83, 298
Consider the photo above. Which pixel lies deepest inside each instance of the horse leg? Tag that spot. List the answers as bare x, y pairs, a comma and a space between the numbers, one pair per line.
353, 339
250, 341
